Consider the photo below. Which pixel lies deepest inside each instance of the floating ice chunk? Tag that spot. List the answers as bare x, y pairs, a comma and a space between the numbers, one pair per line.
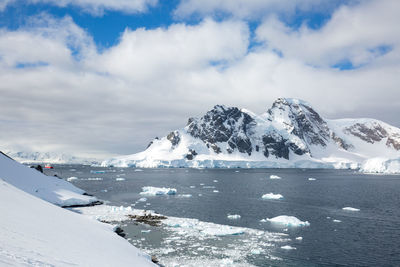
288, 221
287, 247
208, 186
255, 251
233, 216
120, 179
143, 199
274, 177
263, 220
337, 221
184, 195
157, 191
97, 171
299, 238
138, 170
237, 171
312, 179
215, 191
72, 179
272, 196
201, 184
95, 179
215, 181
350, 209
145, 231
192, 186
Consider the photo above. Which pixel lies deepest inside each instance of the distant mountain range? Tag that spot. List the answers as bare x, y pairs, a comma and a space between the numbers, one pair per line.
289, 134
48, 157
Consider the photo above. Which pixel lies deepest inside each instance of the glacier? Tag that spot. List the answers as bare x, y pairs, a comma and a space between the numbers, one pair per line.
290, 134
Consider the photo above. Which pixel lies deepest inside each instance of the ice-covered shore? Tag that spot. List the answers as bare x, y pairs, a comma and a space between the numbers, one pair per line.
381, 165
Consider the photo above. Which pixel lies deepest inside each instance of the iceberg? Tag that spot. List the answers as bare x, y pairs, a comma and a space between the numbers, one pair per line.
272, 196
233, 216
288, 221
157, 191
287, 247
276, 177
350, 209
72, 179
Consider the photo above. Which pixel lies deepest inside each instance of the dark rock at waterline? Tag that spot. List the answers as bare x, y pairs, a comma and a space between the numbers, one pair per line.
119, 231
38, 168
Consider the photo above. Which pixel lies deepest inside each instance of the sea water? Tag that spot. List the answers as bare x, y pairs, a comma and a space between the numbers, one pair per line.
366, 235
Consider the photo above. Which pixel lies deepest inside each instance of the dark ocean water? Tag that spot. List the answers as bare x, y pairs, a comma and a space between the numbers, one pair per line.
369, 237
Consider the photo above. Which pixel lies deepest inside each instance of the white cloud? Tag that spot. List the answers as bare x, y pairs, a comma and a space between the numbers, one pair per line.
353, 33
151, 81
248, 8
96, 7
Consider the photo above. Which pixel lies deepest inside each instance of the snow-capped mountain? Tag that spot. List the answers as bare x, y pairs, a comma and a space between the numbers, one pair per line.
48, 157
289, 134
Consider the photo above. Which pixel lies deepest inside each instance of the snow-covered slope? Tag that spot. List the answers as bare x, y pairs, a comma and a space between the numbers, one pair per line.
47, 157
289, 134
36, 233
49, 188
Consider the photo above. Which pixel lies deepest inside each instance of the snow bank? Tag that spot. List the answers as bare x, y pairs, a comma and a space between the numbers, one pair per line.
350, 209
272, 196
157, 191
288, 221
36, 233
274, 177
381, 165
49, 188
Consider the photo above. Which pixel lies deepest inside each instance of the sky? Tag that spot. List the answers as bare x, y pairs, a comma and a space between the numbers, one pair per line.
104, 77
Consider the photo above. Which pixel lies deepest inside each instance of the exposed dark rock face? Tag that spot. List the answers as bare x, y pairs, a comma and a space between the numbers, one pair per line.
191, 154
222, 124
340, 142
394, 141
303, 121
372, 134
275, 145
174, 138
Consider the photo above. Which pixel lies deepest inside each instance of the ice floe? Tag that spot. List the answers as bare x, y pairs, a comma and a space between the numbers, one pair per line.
95, 179
72, 179
215, 191
299, 238
336, 221
233, 216
272, 196
184, 195
312, 179
143, 199
287, 221
287, 247
120, 179
274, 177
350, 209
157, 191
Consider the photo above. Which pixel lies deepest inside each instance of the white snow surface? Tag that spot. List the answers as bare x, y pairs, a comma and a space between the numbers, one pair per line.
36, 233
49, 188
381, 165
48, 157
272, 196
162, 153
157, 191
288, 221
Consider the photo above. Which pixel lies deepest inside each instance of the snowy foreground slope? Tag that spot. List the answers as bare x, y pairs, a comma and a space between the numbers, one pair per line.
291, 134
48, 188
34, 232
